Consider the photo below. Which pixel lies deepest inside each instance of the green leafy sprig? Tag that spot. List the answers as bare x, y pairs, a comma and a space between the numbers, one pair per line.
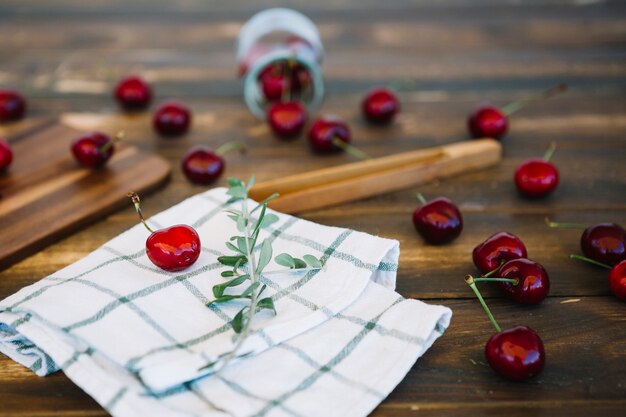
245, 269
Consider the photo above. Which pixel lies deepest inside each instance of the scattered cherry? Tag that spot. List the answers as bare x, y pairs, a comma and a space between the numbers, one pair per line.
533, 283
12, 105
496, 250
203, 165
491, 122
172, 119
6, 154
438, 221
380, 106
604, 242
173, 248
617, 280
537, 177
133, 93
94, 149
329, 134
286, 119
516, 353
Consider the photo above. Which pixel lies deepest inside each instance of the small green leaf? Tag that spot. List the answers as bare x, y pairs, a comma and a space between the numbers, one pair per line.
264, 202
299, 263
234, 182
225, 298
237, 191
248, 291
218, 290
233, 248
232, 260
265, 256
227, 274
269, 219
285, 259
241, 224
266, 303
262, 289
238, 321
312, 261
233, 200
250, 182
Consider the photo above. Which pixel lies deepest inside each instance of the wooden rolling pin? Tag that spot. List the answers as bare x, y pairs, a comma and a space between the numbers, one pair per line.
354, 181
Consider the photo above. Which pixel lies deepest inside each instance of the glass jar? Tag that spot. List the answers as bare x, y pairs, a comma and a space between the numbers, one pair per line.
279, 53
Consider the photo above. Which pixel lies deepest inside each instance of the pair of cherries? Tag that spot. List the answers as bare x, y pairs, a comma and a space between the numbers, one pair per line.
170, 119
516, 353
604, 245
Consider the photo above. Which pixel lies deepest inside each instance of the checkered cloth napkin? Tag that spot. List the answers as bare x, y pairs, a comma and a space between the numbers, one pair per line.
136, 338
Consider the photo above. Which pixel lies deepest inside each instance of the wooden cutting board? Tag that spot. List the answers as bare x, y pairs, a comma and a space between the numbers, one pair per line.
46, 195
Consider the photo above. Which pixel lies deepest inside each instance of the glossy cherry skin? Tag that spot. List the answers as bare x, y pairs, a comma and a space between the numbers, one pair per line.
604, 242
6, 154
536, 178
516, 354
202, 165
133, 93
380, 106
488, 122
286, 119
438, 221
87, 149
617, 280
324, 130
275, 80
173, 248
534, 282
172, 119
496, 250
12, 106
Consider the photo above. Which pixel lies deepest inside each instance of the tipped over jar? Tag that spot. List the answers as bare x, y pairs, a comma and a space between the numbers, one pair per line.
279, 53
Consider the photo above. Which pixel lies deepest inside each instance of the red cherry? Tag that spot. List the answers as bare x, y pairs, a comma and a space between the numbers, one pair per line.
172, 119
202, 165
533, 281
173, 248
286, 119
604, 242
487, 122
6, 154
380, 106
617, 280
93, 149
438, 221
133, 93
284, 77
516, 353
496, 250
536, 178
12, 106
325, 130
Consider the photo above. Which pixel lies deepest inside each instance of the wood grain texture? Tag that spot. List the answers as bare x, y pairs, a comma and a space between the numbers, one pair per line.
47, 195
66, 56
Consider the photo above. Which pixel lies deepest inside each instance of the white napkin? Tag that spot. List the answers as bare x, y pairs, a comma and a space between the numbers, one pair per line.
135, 337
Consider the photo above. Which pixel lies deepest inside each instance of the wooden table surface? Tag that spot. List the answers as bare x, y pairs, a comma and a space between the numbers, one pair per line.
66, 56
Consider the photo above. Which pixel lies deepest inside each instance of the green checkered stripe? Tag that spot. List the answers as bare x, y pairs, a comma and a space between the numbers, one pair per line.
128, 300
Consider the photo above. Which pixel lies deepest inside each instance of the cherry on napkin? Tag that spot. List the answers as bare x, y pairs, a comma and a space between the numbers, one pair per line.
137, 338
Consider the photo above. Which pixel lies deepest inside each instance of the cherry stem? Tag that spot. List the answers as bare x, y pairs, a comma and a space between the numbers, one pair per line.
591, 261
354, 151
555, 225
513, 281
490, 273
514, 106
118, 136
549, 152
136, 201
421, 198
469, 280
231, 146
